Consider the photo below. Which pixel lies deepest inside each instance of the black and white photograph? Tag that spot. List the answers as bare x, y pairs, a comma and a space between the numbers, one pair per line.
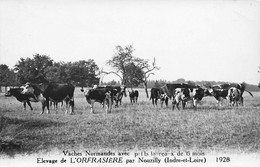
130, 83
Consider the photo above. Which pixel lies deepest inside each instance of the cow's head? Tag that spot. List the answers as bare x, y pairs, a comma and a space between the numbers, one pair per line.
27, 89
198, 93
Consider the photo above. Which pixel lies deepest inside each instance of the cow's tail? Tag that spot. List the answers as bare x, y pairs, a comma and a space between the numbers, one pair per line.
249, 93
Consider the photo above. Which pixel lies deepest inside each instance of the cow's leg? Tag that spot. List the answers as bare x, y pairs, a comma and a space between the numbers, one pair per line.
183, 104
173, 104
29, 104
155, 101
166, 102
177, 105
109, 105
92, 106
152, 101
242, 101
195, 103
24, 106
47, 105
67, 106
43, 106
72, 106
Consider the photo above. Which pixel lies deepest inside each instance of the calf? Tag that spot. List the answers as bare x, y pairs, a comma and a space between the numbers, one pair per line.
101, 95
24, 98
133, 96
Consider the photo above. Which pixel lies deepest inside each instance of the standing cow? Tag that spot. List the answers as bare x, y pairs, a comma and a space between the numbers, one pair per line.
133, 95
234, 95
24, 98
101, 95
47, 92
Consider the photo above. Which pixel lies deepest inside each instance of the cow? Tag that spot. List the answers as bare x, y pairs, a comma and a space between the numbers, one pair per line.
164, 99
220, 92
133, 95
185, 92
24, 98
101, 95
234, 95
155, 95
179, 97
117, 92
47, 92
169, 89
197, 94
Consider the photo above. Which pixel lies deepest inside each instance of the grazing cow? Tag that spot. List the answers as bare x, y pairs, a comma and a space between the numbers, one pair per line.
25, 98
117, 92
51, 92
101, 95
133, 96
234, 95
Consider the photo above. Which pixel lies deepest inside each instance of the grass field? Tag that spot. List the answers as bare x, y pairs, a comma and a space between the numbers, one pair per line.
131, 126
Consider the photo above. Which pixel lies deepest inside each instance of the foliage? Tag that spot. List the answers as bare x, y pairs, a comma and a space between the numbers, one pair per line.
7, 76
42, 68
33, 70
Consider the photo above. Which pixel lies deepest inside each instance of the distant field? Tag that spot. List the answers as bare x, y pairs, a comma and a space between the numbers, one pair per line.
131, 126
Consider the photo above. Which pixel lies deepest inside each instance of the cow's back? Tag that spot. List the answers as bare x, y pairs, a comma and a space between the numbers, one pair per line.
58, 92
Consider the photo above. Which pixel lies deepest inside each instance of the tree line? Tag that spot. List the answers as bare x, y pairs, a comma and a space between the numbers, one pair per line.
132, 71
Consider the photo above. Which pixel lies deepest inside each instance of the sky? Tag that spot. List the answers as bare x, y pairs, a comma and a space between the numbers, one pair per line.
195, 40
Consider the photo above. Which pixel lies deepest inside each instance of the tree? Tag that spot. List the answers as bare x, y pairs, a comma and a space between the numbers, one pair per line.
7, 76
121, 59
83, 73
131, 70
33, 70
144, 69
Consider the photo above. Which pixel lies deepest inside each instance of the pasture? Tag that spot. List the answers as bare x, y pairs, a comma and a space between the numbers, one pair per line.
131, 126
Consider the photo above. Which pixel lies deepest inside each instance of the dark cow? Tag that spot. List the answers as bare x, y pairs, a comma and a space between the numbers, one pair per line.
101, 95
133, 96
220, 92
25, 98
47, 92
169, 89
117, 92
155, 95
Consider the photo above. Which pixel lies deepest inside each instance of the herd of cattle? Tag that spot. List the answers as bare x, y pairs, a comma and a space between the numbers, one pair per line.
179, 93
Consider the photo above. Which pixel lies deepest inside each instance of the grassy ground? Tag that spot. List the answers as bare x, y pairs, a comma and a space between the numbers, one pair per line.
130, 126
